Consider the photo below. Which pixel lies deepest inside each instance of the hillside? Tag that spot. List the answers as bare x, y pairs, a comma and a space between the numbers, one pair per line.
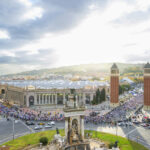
85, 69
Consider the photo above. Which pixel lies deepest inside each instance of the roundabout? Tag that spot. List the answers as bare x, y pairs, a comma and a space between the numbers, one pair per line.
32, 140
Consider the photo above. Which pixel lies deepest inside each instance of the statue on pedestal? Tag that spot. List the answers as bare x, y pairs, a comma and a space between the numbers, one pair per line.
57, 130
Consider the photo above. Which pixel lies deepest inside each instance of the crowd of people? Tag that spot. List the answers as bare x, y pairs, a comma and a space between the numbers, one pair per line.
29, 114
119, 113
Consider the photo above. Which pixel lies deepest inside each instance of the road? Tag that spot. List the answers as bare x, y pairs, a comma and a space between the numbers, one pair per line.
136, 133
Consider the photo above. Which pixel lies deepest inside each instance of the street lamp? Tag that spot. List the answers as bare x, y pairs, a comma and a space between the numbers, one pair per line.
13, 127
116, 126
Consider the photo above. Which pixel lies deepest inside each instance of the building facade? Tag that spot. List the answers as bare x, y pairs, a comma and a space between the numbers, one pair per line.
32, 96
114, 86
147, 86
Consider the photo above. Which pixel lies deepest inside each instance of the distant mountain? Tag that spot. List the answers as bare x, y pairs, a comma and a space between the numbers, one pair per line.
84, 69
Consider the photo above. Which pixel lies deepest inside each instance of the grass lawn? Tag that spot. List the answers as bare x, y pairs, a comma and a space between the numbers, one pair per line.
124, 144
33, 138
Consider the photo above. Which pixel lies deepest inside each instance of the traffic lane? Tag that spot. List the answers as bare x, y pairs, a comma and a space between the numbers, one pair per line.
9, 138
59, 125
141, 133
122, 130
89, 126
6, 129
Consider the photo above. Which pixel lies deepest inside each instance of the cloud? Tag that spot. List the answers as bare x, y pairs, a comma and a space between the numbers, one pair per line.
4, 34
25, 23
129, 44
141, 58
137, 11
67, 32
42, 57
133, 17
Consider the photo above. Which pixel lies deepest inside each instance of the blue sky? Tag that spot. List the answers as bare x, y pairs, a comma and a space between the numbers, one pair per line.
51, 33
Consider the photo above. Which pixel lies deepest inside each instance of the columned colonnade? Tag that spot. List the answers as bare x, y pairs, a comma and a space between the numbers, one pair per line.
45, 99
58, 98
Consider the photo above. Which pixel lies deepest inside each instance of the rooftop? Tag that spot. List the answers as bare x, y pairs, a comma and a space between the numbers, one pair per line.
147, 65
114, 66
54, 84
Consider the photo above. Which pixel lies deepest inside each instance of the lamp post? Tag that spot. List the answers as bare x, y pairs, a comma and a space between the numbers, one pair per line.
13, 127
128, 116
116, 126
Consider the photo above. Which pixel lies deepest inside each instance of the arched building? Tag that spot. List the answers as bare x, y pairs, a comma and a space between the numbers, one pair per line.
33, 96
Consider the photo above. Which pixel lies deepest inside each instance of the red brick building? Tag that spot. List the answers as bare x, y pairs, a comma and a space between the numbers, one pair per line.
114, 86
147, 86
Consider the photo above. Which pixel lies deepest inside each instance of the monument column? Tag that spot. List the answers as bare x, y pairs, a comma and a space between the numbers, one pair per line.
45, 98
27, 101
66, 127
147, 87
114, 86
35, 99
84, 98
82, 127
56, 98
52, 99
64, 99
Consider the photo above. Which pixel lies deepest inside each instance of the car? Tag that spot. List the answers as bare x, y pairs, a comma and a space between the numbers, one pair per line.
48, 126
51, 123
120, 124
29, 123
16, 121
136, 122
130, 123
41, 123
37, 127
144, 125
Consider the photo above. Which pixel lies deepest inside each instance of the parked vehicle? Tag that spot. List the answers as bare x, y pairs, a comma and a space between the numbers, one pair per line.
136, 122
29, 123
37, 127
120, 124
144, 125
48, 126
51, 123
41, 123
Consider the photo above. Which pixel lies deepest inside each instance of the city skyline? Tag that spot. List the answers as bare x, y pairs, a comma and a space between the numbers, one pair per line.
44, 34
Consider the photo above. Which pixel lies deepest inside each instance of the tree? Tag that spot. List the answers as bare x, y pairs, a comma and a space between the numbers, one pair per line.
94, 100
120, 90
44, 140
103, 95
123, 88
99, 97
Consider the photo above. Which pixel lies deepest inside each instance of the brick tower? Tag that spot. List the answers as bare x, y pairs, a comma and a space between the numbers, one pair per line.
114, 86
147, 86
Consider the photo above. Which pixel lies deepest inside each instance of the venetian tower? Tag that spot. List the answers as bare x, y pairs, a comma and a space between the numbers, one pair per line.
74, 119
114, 86
147, 86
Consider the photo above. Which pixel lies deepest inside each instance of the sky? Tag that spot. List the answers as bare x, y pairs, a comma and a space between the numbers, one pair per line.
37, 34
